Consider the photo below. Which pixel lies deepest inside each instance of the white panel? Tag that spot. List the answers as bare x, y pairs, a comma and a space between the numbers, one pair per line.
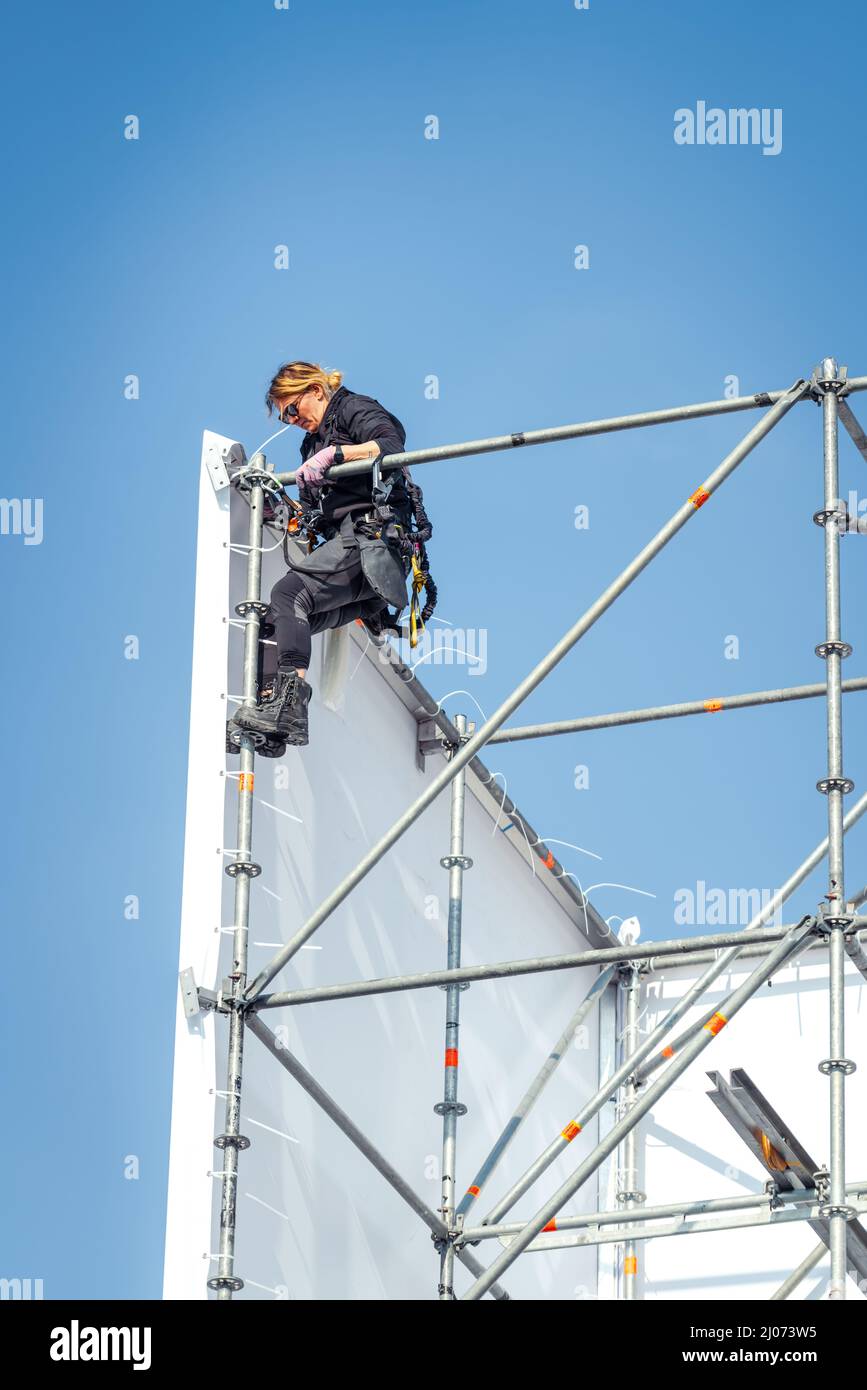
191, 1154
314, 1218
692, 1151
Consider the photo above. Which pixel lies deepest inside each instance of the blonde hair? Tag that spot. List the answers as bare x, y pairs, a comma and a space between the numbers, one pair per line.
295, 377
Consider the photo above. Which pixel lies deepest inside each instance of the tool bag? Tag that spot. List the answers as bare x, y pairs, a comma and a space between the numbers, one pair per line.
382, 564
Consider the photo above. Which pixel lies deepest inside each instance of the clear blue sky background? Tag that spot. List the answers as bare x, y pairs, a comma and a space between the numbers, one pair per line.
409, 257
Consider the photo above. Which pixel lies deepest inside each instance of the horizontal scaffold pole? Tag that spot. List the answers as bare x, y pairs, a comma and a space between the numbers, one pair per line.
653, 712
701, 1206
668, 954
521, 438
473, 746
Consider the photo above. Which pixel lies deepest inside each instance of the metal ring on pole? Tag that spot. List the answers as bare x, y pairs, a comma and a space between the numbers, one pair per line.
251, 605
840, 515
451, 861
449, 1107
835, 648
232, 1141
236, 735
221, 1282
835, 784
247, 477
843, 1064
243, 866
829, 1209
636, 1196
825, 922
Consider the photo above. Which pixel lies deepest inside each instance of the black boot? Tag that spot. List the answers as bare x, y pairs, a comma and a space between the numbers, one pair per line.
281, 713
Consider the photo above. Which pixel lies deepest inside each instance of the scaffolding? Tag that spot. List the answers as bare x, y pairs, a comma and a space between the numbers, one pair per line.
827, 1201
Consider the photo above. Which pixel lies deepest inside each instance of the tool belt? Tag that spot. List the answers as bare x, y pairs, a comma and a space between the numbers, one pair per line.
361, 537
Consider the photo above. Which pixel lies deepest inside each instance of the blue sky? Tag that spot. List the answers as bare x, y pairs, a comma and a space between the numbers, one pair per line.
409, 258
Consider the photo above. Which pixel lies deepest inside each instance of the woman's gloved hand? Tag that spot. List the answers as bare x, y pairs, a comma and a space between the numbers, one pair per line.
311, 473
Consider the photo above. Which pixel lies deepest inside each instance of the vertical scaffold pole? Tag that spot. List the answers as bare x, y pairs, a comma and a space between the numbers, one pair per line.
242, 869
835, 785
629, 1194
450, 1107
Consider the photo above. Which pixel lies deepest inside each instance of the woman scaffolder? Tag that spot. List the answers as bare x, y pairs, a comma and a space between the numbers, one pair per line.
369, 544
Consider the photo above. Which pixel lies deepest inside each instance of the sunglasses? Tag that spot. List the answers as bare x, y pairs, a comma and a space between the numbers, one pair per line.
290, 412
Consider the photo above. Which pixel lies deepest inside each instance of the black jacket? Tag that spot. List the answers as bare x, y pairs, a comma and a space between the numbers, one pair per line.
351, 418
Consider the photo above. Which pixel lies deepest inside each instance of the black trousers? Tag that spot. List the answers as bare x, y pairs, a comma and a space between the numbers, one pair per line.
303, 603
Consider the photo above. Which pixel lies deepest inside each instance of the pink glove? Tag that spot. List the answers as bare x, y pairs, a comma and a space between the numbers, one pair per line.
312, 472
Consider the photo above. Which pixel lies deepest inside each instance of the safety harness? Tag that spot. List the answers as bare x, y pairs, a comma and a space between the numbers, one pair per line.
407, 528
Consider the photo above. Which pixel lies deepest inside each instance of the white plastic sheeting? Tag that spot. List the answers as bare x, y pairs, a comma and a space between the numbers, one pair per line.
315, 1220
691, 1151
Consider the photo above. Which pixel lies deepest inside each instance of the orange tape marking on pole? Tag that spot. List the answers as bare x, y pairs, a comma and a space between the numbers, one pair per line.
451, 1056
667, 1051
549, 862
630, 1264
699, 497
245, 782
570, 1131
473, 1191
713, 705
551, 1226
716, 1024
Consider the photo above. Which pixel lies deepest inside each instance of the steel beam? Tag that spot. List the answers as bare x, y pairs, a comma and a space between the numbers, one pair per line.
521, 438
655, 712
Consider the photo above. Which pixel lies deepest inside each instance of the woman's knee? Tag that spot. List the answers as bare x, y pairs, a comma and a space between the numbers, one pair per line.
286, 591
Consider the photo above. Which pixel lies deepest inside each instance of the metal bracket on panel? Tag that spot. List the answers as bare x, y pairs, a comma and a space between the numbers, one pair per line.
222, 462
430, 739
198, 1001
189, 993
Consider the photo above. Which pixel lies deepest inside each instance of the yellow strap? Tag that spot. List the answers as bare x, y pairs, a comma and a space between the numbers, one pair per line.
419, 579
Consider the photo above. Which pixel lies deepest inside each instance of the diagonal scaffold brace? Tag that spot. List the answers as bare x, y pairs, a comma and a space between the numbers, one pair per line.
785, 951
468, 751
